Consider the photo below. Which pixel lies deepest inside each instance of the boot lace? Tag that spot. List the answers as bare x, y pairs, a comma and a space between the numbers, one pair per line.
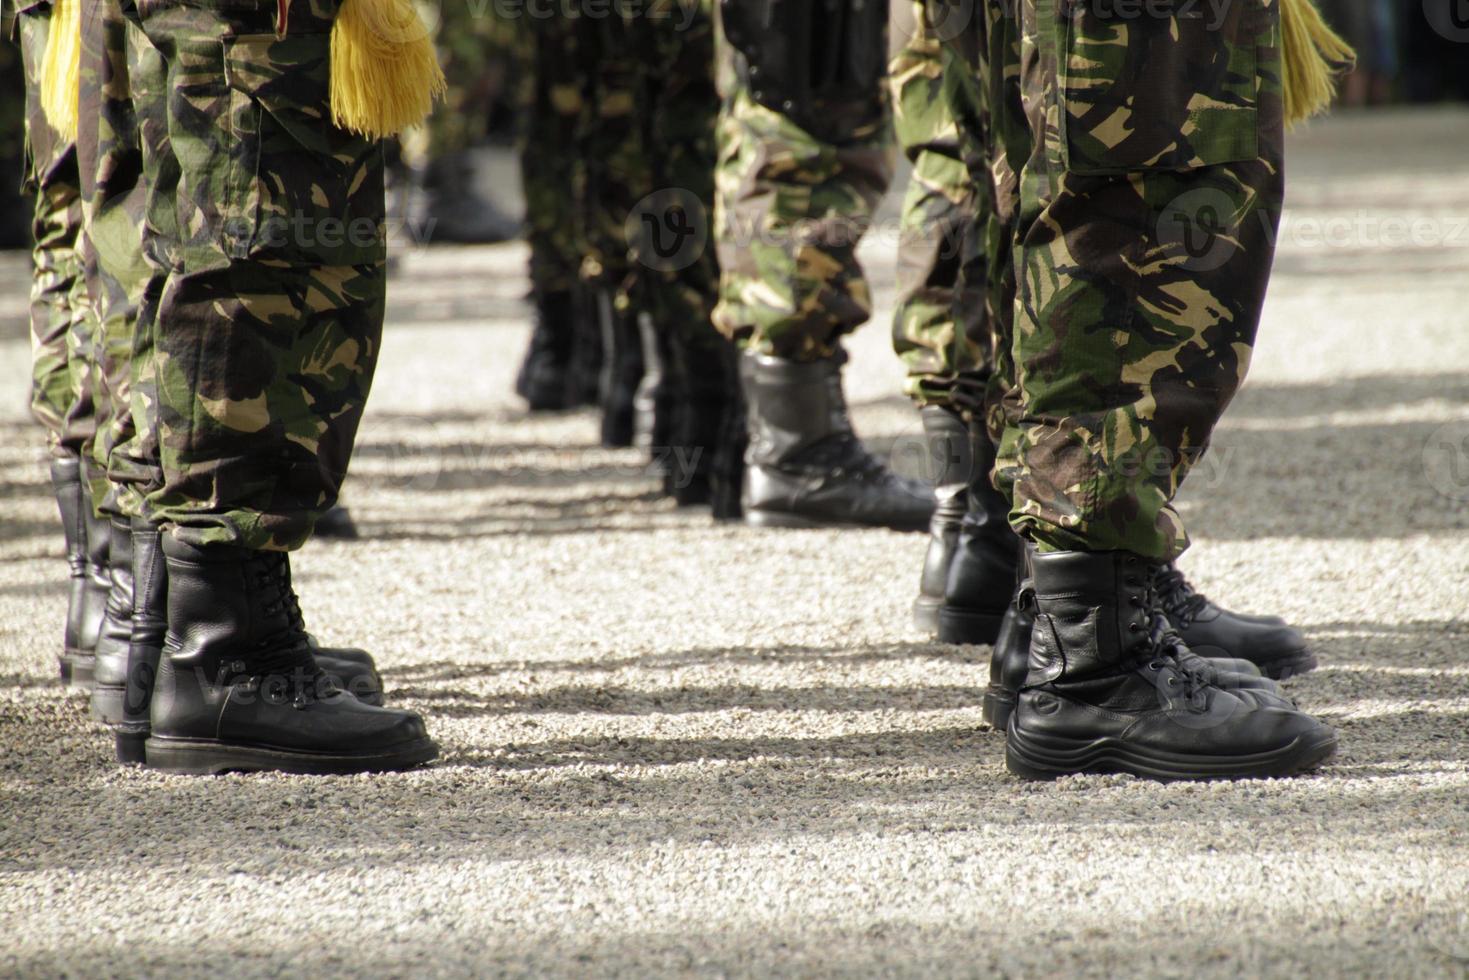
283, 666
1176, 596
1158, 641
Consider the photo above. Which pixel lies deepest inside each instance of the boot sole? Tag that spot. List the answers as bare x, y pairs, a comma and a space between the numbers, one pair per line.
204, 757
1052, 758
999, 705
766, 518
964, 628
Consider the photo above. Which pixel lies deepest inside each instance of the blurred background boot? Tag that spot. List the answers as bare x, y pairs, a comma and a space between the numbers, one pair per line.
622, 371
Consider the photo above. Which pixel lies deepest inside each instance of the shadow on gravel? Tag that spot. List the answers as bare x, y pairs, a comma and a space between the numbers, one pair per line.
440, 671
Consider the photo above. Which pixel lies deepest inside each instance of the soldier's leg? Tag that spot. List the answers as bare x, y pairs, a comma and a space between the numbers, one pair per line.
1134, 324
62, 373
676, 261
611, 140
804, 157
264, 315
944, 327
554, 175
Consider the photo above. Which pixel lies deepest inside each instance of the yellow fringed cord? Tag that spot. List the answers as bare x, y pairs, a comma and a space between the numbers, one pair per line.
61, 68
1314, 56
385, 75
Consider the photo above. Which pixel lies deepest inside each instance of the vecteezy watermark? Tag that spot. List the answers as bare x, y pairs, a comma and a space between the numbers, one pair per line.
682, 13
1448, 18
1201, 228
668, 230
1446, 460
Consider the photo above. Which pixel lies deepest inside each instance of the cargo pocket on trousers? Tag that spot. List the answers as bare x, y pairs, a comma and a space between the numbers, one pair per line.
301, 190
1159, 84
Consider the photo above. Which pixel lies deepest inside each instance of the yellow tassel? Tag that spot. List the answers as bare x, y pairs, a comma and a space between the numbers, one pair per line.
1314, 56
385, 75
61, 68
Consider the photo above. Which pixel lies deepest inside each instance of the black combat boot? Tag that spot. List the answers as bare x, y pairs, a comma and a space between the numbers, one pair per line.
149, 622
731, 444
545, 379
85, 603
710, 406
951, 458
239, 688
115, 638
1279, 650
806, 467
350, 669
1107, 690
587, 356
658, 401
96, 589
622, 372
454, 209
1010, 662
982, 574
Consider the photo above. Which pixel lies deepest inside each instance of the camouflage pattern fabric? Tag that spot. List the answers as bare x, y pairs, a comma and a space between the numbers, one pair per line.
679, 108
944, 338
1148, 205
265, 237
61, 336
612, 143
791, 208
553, 172
110, 161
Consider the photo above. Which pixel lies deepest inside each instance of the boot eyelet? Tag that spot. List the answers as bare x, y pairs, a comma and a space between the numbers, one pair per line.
238, 666
1157, 665
1172, 681
1135, 627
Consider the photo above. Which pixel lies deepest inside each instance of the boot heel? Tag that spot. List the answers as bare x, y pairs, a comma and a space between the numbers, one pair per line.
926, 611
966, 628
131, 748
999, 705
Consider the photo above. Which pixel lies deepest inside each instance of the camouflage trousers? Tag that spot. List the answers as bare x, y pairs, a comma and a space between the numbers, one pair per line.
793, 201
116, 275
943, 327
62, 381
553, 172
1142, 158
265, 241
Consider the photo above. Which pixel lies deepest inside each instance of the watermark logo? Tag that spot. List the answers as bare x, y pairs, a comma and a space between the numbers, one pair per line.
668, 230
1446, 460
1449, 19
1200, 228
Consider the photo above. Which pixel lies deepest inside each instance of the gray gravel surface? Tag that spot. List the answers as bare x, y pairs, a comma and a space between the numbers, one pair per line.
678, 749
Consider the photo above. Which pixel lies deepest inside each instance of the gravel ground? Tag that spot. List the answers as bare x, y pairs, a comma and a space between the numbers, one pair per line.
672, 748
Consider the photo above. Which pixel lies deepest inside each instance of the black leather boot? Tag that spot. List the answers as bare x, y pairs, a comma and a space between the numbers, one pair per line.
658, 401
84, 605
149, 623
97, 587
1106, 690
1010, 661
587, 355
622, 372
951, 459
120, 656
545, 378
806, 467
731, 442
1279, 650
710, 411
239, 688
454, 209
116, 635
982, 574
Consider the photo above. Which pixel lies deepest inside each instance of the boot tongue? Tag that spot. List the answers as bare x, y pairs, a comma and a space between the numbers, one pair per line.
1177, 596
